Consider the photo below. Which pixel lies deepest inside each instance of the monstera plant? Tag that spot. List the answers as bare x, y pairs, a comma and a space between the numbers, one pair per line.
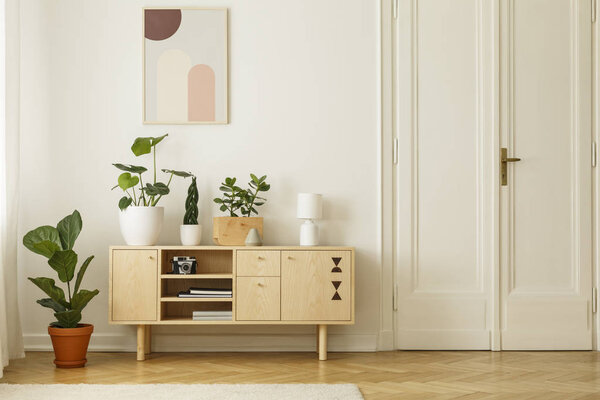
140, 218
56, 244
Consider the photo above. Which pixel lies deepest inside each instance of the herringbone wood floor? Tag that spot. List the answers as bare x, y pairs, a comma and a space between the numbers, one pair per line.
384, 375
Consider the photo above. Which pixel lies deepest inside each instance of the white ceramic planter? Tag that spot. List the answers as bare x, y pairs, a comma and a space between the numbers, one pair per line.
141, 226
190, 235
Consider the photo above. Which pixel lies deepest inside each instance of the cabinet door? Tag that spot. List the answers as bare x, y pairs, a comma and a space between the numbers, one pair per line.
258, 299
316, 285
134, 285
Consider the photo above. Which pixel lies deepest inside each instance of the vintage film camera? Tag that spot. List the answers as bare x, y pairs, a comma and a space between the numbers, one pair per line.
184, 265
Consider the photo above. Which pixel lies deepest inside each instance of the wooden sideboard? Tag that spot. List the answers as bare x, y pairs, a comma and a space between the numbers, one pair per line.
271, 285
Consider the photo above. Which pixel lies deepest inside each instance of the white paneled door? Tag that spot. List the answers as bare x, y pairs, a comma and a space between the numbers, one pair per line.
546, 248
480, 264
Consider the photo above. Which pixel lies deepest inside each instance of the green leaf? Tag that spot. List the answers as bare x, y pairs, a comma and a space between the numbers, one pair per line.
157, 140
127, 181
134, 169
46, 248
218, 201
81, 273
64, 262
254, 178
82, 298
68, 319
49, 303
223, 208
125, 202
41, 234
157, 189
68, 229
143, 145
49, 287
182, 174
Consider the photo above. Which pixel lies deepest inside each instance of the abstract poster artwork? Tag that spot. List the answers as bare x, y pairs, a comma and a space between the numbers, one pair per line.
185, 66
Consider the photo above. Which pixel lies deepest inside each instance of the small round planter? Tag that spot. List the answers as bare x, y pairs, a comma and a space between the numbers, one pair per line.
70, 345
141, 226
190, 235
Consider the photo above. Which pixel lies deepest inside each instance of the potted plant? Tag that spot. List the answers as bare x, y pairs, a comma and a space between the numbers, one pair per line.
190, 232
70, 339
233, 229
140, 218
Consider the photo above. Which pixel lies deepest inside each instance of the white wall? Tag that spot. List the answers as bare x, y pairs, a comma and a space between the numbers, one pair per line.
304, 102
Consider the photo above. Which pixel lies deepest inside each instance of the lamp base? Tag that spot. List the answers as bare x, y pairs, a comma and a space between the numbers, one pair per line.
309, 234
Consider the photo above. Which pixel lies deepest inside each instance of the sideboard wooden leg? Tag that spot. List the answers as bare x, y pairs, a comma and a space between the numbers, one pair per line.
148, 340
322, 342
141, 346
317, 335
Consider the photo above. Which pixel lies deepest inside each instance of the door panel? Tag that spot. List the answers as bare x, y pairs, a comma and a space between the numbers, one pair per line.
316, 285
134, 285
445, 178
546, 208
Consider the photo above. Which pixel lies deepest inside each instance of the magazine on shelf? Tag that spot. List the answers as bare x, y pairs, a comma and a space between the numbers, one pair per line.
209, 291
203, 296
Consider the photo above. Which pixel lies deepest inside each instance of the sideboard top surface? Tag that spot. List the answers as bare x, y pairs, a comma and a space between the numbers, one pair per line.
172, 247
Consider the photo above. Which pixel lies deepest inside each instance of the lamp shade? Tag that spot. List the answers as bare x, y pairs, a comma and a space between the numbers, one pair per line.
310, 205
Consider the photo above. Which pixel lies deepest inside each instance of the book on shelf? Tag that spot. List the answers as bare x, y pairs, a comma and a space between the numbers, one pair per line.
194, 290
212, 315
188, 295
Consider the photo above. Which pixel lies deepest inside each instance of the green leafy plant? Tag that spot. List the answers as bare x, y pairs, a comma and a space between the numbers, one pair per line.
56, 244
243, 200
191, 204
150, 194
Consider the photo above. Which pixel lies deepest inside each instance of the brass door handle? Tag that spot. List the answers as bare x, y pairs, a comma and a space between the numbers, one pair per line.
504, 160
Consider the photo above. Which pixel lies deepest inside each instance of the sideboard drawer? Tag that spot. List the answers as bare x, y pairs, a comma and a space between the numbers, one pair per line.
258, 299
258, 263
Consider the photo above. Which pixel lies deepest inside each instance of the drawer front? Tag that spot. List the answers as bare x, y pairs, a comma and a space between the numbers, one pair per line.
316, 286
258, 263
134, 285
258, 299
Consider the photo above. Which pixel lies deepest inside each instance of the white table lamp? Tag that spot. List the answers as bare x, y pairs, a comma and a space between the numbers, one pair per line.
310, 207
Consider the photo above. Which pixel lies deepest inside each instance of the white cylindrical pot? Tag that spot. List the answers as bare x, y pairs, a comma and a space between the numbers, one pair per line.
190, 235
141, 226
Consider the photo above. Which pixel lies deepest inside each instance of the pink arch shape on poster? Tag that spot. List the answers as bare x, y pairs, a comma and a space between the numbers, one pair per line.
201, 93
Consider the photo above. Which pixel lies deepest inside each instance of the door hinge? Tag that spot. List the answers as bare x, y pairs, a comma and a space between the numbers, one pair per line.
594, 11
395, 298
594, 300
395, 8
395, 151
594, 154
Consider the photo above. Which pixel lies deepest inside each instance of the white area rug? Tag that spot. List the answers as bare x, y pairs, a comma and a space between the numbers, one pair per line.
179, 392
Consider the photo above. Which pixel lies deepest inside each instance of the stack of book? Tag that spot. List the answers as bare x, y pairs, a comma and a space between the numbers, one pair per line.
212, 315
204, 293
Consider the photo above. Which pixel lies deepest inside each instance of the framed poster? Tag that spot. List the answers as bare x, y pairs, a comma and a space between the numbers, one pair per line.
185, 66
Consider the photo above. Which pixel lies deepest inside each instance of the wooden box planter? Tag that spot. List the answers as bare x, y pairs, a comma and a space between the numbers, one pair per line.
232, 231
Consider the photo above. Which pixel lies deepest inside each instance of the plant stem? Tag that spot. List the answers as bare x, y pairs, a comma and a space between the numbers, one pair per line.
134, 198
142, 197
154, 152
69, 291
252, 203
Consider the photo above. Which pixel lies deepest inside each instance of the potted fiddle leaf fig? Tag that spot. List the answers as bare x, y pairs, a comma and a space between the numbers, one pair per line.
70, 338
190, 232
140, 217
233, 229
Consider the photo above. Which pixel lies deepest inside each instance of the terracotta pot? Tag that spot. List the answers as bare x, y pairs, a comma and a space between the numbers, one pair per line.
232, 231
70, 345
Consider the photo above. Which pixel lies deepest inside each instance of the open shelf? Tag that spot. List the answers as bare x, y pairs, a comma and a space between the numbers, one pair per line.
197, 276
207, 261
188, 321
197, 299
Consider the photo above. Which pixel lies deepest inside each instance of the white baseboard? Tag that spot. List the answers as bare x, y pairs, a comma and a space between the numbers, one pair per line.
386, 341
216, 342
444, 339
